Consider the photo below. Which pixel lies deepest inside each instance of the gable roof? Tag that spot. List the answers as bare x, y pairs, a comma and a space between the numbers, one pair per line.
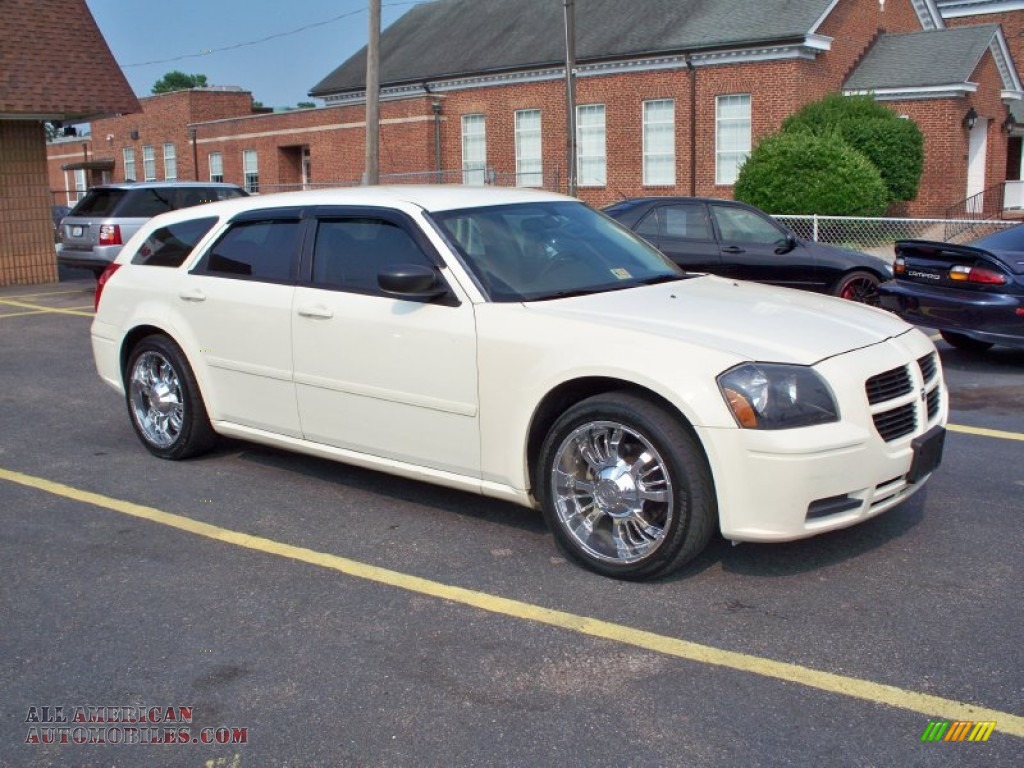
452, 38
936, 62
55, 64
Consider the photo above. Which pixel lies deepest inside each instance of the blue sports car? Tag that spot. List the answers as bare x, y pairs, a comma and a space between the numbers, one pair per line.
973, 294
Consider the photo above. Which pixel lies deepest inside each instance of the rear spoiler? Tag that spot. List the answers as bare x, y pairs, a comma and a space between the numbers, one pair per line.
951, 253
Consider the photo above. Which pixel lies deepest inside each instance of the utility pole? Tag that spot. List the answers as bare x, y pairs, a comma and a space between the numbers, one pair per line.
372, 173
570, 94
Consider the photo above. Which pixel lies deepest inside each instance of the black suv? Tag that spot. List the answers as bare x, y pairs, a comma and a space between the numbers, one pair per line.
101, 223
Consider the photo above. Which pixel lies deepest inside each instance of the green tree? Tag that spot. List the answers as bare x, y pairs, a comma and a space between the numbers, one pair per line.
306, 104
894, 145
178, 81
803, 173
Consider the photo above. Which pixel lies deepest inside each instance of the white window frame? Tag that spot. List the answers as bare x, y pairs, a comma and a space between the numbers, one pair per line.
659, 116
529, 149
216, 168
251, 170
128, 156
591, 146
732, 135
474, 149
170, 162
148, 163
81, 184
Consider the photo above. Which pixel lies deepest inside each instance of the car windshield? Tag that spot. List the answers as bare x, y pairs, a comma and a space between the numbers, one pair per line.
548, 250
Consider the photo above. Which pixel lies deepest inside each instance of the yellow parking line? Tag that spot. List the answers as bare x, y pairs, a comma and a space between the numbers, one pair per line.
879, 693
983, 432
47, 293
38, 308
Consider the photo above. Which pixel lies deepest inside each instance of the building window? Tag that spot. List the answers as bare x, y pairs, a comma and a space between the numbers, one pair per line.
251, 171
474, 149
79, 184
149, 163
660, 142
170, 162
732, 136
529, 172
591, 160
216, 167
129, 163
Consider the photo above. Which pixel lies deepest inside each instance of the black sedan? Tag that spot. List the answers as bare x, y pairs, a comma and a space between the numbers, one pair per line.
734, 239
973, 294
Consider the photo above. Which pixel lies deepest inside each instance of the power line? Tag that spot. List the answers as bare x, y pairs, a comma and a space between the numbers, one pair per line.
212, 51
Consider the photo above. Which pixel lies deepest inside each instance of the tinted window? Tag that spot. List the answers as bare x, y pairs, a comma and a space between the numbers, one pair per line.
349, 253
741, 225
146, 203
264, 250
168, 246
686, 221
650, 226
98, 202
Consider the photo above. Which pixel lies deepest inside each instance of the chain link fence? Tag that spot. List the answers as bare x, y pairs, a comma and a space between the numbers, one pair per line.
877, 235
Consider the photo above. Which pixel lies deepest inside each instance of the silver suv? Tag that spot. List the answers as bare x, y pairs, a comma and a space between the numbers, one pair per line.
101, 223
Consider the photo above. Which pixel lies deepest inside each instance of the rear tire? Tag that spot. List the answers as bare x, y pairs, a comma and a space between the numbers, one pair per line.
859, 286
164, 402
966, 343
626, 488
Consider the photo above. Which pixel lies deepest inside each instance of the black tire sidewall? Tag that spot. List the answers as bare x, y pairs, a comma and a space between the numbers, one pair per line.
695, 507
857, 274
196, 435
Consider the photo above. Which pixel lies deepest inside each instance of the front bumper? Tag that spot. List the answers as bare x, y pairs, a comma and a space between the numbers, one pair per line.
790, 484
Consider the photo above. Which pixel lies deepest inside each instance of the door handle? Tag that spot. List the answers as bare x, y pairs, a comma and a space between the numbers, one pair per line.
733, 249
192, 294
317, 310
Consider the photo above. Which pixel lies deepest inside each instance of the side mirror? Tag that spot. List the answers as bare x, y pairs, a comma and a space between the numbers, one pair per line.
786, 244
413, 282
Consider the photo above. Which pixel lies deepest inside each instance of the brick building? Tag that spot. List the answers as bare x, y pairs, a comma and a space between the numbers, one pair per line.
34, 89
670, 97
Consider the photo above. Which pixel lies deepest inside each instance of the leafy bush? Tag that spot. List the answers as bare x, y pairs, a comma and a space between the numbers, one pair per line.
895, 146
802, 173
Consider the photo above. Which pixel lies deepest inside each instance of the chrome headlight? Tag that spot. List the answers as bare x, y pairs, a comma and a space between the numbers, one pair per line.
777, 396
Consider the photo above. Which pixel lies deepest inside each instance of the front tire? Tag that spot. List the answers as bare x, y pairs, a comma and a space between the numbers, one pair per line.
966, 343
859, 286
625, 488
164, 402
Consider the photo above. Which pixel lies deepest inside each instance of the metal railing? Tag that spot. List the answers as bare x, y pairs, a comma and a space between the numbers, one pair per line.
981, 207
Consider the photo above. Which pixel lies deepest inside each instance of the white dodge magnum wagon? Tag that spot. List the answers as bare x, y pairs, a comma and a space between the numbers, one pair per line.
520, 345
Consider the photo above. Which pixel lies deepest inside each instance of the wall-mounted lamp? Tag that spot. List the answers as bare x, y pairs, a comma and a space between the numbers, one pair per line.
970, 119
436, 107
1009, 123
134, 134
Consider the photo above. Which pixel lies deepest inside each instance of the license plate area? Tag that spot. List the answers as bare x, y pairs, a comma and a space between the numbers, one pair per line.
927, 453
77, 231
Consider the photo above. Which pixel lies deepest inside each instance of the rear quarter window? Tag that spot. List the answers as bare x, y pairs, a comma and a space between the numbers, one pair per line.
169, 246
98, 202
145, 203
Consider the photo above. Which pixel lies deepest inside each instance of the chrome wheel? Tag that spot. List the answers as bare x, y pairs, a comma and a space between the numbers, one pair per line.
612, 492
156, 400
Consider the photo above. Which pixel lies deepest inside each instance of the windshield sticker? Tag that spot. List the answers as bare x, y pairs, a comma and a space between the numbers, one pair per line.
622, 274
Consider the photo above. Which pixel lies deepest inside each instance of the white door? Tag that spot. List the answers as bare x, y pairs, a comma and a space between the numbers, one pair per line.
976, 155
379, 375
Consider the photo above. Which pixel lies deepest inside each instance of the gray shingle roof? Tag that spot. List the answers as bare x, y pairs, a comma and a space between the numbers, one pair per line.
465, 37
922, 59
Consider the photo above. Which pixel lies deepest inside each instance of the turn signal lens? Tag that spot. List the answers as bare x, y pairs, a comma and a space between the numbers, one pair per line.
741, 408
899, 266
110, 234
983, 275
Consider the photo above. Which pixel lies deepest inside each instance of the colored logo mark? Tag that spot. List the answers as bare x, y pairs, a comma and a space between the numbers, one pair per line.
958, 730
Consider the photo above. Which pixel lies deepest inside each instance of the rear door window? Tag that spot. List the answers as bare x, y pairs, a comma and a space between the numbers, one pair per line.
169, 246
264, 249
146, 203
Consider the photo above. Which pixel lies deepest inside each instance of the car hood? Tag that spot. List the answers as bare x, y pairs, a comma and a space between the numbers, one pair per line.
752, 321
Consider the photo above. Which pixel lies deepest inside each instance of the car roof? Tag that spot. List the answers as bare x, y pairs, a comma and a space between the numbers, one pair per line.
631, 201
162, 184
443, 197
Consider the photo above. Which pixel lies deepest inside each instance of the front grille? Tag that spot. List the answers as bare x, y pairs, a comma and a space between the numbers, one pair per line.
894, 424
933, 403
888, 385
928, 367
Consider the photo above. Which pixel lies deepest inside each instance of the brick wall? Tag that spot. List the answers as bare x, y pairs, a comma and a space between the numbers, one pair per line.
26, 229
